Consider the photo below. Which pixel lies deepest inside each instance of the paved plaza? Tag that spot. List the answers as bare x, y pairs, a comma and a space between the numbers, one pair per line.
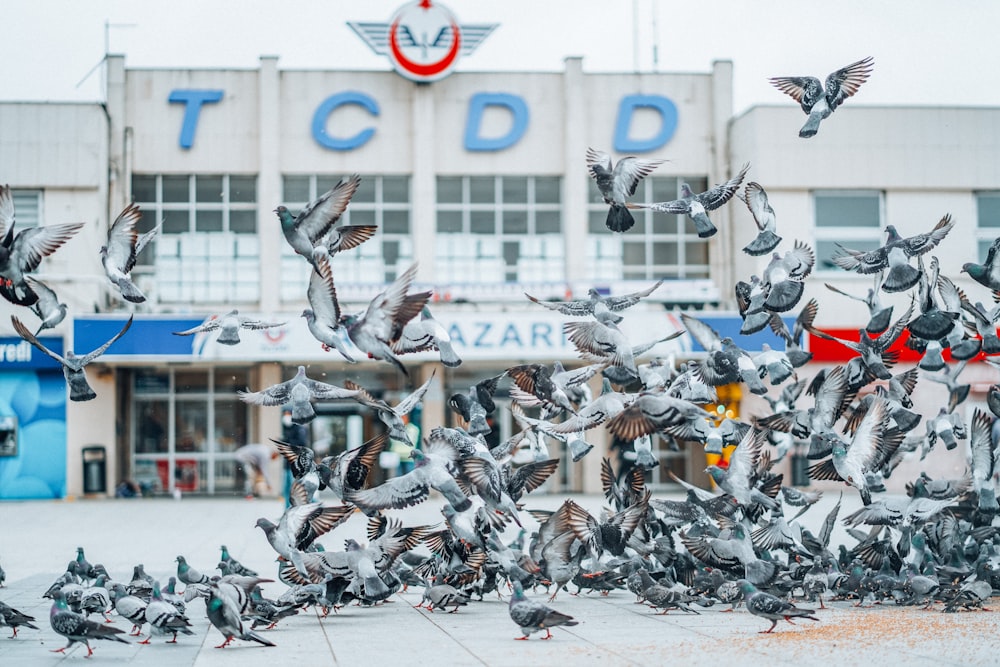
38, 538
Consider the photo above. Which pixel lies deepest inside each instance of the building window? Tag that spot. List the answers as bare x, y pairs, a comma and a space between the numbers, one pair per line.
27, 208
987, 222
208, 250
186, 427
658, 246
496, 229
379, 200
851, 218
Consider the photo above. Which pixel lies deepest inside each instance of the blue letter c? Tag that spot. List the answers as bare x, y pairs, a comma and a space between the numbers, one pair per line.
323, 111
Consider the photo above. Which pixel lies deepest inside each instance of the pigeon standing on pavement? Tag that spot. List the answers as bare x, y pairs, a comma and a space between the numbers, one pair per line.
229, 326
13, 619
617, 184
122, 250
224, 614
164, 618
818, 102
534, 616
697, 206
770, 607
78, 629
74, 367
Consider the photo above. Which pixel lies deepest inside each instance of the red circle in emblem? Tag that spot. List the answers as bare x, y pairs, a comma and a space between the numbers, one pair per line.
421, 71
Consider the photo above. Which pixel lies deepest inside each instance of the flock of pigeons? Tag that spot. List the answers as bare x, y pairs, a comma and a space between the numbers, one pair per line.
938, 545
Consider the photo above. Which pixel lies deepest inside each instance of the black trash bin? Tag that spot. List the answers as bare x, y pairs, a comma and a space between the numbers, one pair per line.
95, 469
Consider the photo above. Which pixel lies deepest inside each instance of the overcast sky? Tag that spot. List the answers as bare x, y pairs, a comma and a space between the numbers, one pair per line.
926, 51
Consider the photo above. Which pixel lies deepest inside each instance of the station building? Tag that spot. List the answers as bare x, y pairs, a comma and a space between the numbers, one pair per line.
480, 179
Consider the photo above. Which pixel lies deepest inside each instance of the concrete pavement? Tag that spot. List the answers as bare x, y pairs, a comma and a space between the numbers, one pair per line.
38, 538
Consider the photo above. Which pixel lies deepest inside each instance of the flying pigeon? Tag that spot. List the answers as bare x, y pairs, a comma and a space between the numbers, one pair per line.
986, 274
22, 253
534, 616
475, 405
818, 102
308, 229
784, 277
697, 206
601, 307
300, 392
391, 416
427, 333
894, 256
347, 237
74, 367
618, 184
374, 331
229, 326
770, 607
78, 629
755, 197
878, 315
122, 250
323, 315
48, 308
299, 526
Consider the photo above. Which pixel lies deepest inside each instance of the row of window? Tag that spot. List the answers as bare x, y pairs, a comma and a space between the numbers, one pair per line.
489, 229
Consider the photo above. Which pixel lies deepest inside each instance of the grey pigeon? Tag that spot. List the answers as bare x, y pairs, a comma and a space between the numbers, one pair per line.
229, 326
618, 184
21, 254
726, 362
755, 197
534, 616
431, 471
119, 254
894, 256
878, 315
601, 307
349, 470
323, 314
442, 596
392, 416
129, 606
164, 619
426, 333
770, 607
74, 367
347, 237
308, 229
818, 102
376, 330
984, 459
13, 619
188, 575
986, 274
78, 629
475, 405
224, 614
48, 308
299, 392
697, 206
784, 277
299, 526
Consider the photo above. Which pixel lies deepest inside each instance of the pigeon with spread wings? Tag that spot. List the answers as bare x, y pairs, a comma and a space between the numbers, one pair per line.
74, 367
819, 102
617, 184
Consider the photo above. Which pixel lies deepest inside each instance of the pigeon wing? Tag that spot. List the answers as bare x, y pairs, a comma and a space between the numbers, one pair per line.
720, 194
845, 81
102, 349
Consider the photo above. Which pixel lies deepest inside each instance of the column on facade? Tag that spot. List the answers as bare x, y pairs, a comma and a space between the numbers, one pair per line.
269, 181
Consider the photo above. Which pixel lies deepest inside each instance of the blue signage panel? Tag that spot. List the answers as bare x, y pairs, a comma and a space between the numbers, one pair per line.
18, 354
147, 337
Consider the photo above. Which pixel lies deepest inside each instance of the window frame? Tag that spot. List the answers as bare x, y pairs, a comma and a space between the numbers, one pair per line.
849, 236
